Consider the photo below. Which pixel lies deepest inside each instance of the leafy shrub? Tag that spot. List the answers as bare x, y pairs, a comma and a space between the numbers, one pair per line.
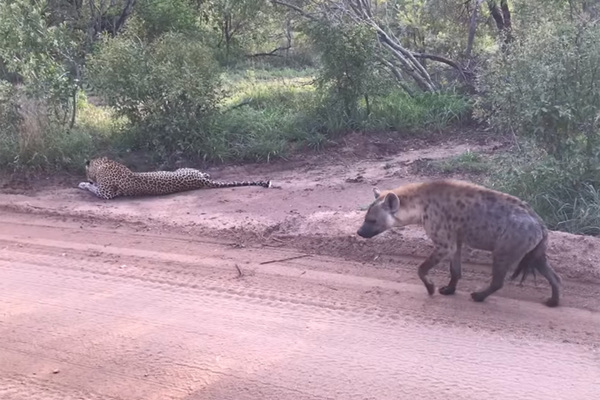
168, 89
396, 110
37, 107
347, 54
41, 56
563, 192
31, 140
266, 116
158, 17
547, 86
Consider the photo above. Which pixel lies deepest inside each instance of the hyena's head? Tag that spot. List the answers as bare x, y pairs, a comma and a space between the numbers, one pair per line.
387, 211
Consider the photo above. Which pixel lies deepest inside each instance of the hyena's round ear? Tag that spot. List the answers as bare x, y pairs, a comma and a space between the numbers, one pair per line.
392, 202
87, 163
376, 192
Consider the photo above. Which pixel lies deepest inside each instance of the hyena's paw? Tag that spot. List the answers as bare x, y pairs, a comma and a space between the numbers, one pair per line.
551, 302
430, 288
478, 296
447, 290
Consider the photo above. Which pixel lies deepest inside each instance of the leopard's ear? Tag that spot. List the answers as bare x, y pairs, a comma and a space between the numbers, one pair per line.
87, 163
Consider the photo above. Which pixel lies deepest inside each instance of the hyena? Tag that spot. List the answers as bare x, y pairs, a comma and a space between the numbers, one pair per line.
454, 213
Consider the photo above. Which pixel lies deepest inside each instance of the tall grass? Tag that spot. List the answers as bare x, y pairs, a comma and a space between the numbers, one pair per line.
267, 114
31, 139
398, 111
468, 163
272, 112
564, 193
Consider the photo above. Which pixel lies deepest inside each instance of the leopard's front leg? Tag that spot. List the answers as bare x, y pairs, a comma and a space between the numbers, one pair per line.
96, 190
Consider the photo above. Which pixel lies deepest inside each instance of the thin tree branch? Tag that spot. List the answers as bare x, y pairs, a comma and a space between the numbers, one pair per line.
271, 53
443, 60
127, 10
295, 8
496, 14
415, 69
397, 74
472, 29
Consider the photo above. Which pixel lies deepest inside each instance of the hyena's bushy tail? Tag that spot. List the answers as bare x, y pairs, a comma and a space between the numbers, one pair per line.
534, 261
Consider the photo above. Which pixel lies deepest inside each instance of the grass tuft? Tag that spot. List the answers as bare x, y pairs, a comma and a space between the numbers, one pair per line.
564, 193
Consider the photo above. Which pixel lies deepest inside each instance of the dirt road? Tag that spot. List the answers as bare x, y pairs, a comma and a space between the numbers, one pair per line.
256, 294
98, 312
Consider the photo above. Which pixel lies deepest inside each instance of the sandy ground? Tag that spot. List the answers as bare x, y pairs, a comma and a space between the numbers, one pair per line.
254, 293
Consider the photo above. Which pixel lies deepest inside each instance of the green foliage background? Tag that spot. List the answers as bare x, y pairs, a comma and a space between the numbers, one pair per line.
225, 80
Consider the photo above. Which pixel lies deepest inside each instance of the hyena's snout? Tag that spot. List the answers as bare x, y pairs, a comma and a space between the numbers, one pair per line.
366, 232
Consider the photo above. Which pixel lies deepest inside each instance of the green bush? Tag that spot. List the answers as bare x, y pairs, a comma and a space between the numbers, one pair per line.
38, 128
168, 89
564, 193
31, 140
9, 121
270, 113
469, 162
397, 110
157, 17
266, 116
40, 55
347, 75
547, 86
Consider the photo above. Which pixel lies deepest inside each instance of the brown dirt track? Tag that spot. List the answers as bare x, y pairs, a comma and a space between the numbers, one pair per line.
251, 293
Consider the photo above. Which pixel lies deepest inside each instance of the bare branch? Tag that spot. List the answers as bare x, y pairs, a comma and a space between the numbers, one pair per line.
271, 53
443, 60
295, 8
472, 29
366, 5
239, 271
496, 14
398, 57
505, 14
397, 74
502, 17
414, 69
127, 10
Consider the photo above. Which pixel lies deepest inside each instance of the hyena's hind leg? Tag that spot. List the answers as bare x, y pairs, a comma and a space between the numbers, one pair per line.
455, 272
536, 260
509, 253
547, 272
501, 264
510, 249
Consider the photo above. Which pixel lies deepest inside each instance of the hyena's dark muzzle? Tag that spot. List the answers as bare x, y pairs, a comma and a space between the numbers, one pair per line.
367, 231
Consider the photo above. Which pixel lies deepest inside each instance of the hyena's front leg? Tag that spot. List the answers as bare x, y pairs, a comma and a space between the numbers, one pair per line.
438, 255
455, 272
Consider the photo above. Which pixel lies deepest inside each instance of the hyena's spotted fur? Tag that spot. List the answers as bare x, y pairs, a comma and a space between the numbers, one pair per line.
454, 213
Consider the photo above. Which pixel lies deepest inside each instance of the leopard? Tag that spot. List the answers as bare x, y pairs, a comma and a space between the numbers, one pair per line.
454, 213
108, 179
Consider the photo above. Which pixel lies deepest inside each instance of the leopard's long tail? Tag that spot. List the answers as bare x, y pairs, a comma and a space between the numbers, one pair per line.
217, 184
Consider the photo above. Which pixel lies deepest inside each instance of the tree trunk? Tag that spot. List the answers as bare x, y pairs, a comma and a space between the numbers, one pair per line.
502, 18
127, 10
472, 29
